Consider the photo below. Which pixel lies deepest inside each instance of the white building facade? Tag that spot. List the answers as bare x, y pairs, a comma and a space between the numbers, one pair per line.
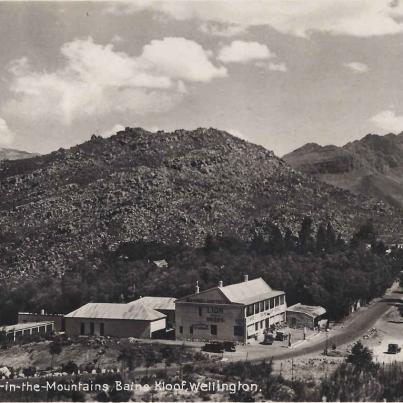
239, 312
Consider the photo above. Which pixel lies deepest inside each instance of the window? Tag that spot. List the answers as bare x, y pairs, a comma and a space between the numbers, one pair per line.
249, 310
257, 308
82, 329
261, 324
257, 326
271, 303
238, 330
266, 305
261, 306
200, 311
282, 299
180, 329
92, 328
213, 329
191, 329
101, 329
267, 323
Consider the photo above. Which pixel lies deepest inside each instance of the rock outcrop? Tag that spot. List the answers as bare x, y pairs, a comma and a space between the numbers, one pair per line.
61, 209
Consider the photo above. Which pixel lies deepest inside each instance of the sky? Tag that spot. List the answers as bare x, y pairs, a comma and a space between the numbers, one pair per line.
276, 73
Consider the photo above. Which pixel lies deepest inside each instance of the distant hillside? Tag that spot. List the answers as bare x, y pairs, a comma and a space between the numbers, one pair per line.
64, 207
10, 154
372, 166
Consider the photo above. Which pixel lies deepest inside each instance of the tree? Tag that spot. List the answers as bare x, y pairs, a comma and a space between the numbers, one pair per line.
321, 239
360, 357
331, 237
128, 357
71, 367
209, 244
55, 348
290, 240
305, 237
365, 234
276, 241
258, 244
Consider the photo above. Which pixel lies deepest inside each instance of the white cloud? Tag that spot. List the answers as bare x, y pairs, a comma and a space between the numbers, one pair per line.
223, 30
117, 39
277, 67
244, 52
362, 18
388, 121
357, 67
181, 59
6, 135
111, 131
97, 80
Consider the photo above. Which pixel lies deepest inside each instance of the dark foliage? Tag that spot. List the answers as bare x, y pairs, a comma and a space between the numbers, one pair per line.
318, 270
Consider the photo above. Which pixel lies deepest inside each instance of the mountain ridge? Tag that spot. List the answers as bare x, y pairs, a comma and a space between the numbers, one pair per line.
372, 166
63, 208
13, 154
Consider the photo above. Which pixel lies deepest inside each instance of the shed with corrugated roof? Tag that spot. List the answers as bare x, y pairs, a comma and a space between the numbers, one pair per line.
299, 315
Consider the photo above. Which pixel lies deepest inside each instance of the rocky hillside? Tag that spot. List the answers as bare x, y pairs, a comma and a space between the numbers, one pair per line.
372, 166
10, 154
64, 207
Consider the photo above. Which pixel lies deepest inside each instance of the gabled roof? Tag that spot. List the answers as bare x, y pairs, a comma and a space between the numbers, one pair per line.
116, 311
310, 310
245, 293
249, 292
158, 303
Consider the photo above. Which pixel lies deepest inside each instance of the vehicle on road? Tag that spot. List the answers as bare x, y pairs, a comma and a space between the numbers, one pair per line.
393, 348
219, 347
229, 346
281, 336
268, 339
213, 347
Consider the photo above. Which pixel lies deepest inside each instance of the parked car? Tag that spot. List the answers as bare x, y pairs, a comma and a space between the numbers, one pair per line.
268, 339
213, 347
393, 348
281, 336
229, 346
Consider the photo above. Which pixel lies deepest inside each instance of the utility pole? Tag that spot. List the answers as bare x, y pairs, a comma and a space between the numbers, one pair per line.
292, 369
327, 343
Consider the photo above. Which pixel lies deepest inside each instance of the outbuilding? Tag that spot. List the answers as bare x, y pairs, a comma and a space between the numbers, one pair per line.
308, 316
116, 320
19, 330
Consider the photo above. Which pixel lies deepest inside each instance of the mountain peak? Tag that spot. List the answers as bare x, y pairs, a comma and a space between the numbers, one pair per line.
372, 165
177, 187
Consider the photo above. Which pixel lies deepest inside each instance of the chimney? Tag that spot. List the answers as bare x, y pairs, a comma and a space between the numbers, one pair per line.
220, 283
245, 278
197, 287
42, 312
